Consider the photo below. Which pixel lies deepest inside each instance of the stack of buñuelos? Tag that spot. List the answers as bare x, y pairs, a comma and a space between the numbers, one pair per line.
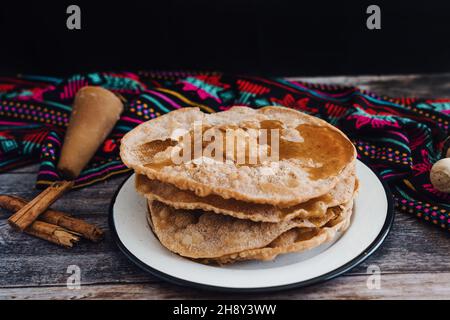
244, 183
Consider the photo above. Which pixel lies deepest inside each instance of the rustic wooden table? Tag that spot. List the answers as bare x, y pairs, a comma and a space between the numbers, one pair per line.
414, 260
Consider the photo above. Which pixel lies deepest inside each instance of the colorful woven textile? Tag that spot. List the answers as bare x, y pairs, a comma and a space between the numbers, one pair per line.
398, 138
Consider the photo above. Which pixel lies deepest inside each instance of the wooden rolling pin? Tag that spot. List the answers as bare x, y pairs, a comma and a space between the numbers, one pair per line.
95, 112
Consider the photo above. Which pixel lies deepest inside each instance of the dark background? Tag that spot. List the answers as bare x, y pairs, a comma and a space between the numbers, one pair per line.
272, 37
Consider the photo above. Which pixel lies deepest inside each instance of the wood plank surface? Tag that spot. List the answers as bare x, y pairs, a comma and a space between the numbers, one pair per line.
414, 261
399, 286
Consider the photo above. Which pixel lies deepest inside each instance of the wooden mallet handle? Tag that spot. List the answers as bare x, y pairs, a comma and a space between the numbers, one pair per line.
94, 114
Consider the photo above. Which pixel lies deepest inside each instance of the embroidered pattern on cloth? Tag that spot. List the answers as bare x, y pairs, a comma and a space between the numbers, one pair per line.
400, 138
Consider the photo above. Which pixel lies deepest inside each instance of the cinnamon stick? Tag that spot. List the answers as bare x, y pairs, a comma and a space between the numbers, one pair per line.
33, 209
86, 230
52, 233
80, 227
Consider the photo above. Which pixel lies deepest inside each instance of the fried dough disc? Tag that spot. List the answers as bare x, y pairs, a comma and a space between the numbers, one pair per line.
198, 234
185, 199
293, 240
313, 155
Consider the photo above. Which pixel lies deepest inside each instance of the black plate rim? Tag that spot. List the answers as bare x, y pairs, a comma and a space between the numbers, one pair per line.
322, 278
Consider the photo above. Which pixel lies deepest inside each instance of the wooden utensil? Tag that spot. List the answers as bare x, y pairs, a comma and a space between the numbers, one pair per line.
94, 114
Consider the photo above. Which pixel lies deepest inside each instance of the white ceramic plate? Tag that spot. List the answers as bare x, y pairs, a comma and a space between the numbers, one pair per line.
371, 221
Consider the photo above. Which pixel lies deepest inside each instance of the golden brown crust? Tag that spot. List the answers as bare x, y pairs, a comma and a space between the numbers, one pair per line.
287, 184
293, 240
185, 199
202, 235
197, 234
